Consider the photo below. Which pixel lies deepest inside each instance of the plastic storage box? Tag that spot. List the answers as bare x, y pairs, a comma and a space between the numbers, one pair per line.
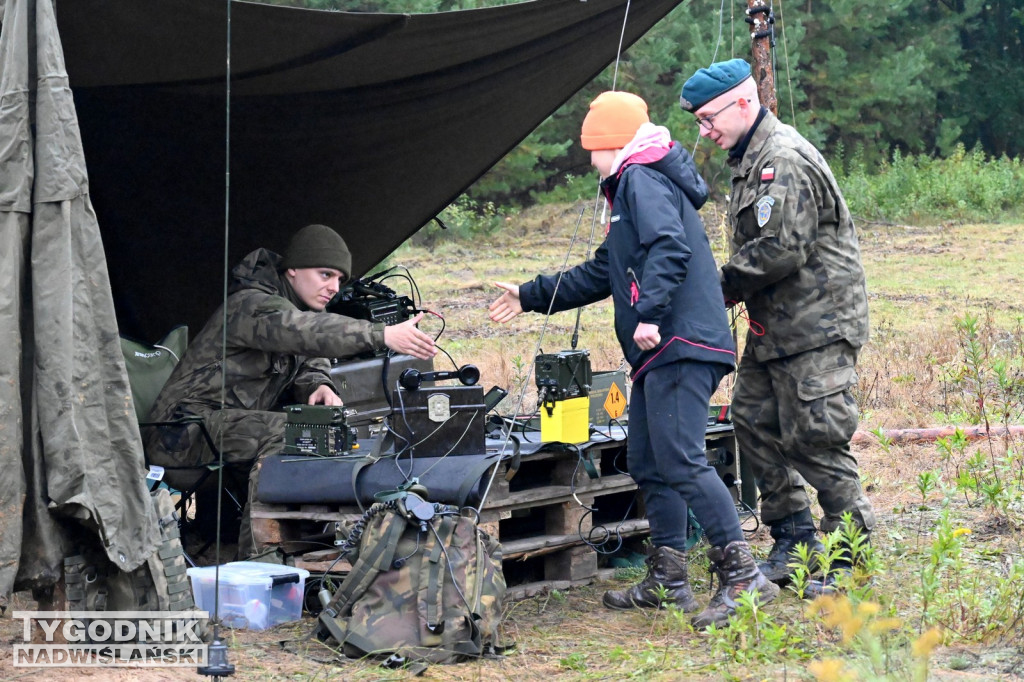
253, 595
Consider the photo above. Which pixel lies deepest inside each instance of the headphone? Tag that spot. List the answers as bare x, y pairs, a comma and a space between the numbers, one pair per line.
410, 379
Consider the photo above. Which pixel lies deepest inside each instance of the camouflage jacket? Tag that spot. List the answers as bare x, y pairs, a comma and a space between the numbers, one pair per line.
795, 259
274, 345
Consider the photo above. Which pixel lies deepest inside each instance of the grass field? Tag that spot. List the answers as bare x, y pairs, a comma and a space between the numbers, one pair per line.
921, 280
946, 600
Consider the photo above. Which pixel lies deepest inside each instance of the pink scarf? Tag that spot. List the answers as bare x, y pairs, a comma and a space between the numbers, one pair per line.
651, 143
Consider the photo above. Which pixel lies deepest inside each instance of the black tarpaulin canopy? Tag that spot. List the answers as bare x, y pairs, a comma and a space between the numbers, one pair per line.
370, 123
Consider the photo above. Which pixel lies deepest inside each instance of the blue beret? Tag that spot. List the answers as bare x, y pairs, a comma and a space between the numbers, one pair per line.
709, 83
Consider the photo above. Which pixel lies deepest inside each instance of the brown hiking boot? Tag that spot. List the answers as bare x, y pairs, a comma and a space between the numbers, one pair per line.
666, 567
737, 572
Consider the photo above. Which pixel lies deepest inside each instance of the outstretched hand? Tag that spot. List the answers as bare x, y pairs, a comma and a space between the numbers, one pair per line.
406, 338
506, 306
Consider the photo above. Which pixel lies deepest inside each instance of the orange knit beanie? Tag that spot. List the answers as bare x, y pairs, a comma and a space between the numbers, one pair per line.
613, 120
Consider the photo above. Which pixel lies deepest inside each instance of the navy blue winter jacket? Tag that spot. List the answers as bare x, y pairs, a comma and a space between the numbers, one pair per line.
656, 264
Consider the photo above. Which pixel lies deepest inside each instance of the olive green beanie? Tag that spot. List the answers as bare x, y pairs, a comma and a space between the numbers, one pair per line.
318, 246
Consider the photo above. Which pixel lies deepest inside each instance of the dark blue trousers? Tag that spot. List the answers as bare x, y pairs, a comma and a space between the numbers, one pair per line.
668, 415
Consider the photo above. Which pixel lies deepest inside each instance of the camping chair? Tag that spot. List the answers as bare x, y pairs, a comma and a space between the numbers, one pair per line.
149, 366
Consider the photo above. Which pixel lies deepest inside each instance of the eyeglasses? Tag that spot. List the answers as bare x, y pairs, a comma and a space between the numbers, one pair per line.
706, 122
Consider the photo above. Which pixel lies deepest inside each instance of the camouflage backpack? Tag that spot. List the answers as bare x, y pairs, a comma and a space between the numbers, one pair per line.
426, 586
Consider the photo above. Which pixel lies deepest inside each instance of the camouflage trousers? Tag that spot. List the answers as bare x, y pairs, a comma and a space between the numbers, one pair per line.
794, 419
243, 436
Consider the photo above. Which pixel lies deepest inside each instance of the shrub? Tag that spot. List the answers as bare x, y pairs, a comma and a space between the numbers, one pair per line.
965, 186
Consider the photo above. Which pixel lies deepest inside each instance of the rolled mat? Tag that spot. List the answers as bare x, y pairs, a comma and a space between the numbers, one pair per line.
300, 479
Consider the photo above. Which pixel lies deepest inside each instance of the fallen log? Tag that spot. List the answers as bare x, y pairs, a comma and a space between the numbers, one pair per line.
928, 435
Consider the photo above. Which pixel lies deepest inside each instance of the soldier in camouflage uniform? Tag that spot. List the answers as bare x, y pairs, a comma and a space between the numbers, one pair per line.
278, 341
795, 264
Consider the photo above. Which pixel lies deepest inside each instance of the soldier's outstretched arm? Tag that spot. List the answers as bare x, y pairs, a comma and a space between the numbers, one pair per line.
407, 338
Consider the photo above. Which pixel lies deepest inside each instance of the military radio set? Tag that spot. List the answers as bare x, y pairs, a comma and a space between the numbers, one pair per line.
366, 299
572, 398
563, 393
436, 421
319, 431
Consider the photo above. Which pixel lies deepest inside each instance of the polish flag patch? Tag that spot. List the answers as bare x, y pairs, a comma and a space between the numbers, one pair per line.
767, 174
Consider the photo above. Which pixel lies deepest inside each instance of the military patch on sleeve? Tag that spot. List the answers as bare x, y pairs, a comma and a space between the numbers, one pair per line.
764, 210
768, 174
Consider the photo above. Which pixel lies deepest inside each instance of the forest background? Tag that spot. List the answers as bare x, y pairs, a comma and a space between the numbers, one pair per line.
870, 82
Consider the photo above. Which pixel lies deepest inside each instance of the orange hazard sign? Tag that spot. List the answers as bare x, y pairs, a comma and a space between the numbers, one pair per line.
615, 402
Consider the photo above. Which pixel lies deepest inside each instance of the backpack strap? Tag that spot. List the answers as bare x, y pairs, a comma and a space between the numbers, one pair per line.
432, 573
480, 574
371, 561
474, 646
376, 453
513, 465
433, 569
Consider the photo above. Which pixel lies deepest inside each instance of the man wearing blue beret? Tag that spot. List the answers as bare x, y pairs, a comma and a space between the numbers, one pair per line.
795, 263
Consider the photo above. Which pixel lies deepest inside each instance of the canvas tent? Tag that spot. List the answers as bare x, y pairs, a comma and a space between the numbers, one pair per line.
70, 457
371, 123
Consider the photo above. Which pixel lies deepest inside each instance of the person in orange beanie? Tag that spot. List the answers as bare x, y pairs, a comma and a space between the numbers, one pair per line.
657, 266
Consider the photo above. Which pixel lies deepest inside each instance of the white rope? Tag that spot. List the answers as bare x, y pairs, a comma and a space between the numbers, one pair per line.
618, 52
536, 351
714, 55
171, 352
789, 78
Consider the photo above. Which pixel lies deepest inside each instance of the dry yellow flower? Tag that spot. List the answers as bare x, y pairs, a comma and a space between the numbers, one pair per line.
885, 625
828, 670
850, 627
961, 531
835, 612
923, 645
822, 604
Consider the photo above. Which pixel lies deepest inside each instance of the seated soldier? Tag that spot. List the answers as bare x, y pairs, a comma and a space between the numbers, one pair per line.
278, 339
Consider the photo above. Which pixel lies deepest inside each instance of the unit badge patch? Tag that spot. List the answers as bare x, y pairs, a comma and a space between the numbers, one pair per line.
764, 210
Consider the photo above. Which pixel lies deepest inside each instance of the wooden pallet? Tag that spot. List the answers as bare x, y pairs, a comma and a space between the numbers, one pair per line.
540, 517
306, 530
